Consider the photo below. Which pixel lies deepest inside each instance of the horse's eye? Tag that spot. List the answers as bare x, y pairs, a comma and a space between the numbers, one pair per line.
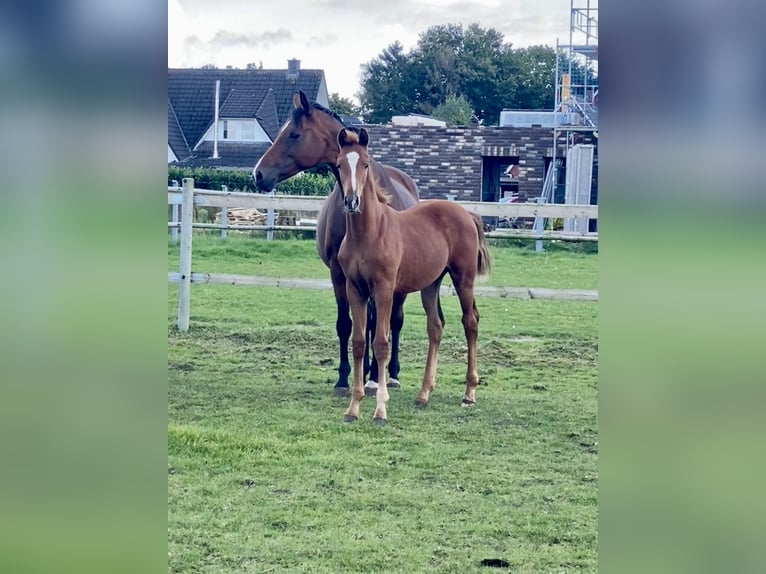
366, 165
294, 136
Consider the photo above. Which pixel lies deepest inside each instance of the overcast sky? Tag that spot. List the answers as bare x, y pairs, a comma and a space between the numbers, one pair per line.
338, 36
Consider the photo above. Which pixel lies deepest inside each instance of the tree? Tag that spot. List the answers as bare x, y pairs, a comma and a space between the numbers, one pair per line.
449, 59
343, 106
455, 110
388, 87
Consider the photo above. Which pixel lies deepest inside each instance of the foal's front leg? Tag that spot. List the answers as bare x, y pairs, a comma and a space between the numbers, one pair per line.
383, 296
358, 305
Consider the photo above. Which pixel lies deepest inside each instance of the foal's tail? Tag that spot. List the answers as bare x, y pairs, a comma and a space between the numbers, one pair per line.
484, 262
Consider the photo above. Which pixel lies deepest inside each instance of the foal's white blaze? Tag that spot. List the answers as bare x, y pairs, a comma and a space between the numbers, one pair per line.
353, 159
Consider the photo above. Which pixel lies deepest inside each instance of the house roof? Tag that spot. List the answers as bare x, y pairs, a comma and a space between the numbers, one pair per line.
231, 154
191, 92
176, 139
267, 115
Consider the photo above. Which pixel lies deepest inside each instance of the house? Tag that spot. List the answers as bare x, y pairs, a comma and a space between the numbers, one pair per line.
417, 120
252, 105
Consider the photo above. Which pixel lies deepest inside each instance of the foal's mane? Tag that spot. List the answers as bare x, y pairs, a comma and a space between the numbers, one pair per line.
352, 137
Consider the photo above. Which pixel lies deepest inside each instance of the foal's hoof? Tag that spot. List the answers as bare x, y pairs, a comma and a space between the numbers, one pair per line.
393, 383
379, 421
420, 404
349, 419
467, 402
341, 391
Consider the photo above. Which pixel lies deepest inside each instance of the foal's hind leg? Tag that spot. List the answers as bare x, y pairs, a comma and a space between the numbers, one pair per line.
464, 287
435, 325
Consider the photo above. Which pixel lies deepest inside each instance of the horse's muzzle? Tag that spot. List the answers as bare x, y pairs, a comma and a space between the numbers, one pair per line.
261, 182
351, 204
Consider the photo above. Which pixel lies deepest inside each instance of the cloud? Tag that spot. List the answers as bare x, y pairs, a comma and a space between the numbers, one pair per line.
224, 39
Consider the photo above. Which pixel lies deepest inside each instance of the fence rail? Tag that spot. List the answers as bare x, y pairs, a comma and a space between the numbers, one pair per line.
208, 198
479, 290
182, 203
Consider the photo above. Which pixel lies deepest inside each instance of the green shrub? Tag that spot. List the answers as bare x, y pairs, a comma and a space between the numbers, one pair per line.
309, 183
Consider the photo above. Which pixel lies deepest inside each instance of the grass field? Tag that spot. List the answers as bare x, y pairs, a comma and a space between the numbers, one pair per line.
264, 477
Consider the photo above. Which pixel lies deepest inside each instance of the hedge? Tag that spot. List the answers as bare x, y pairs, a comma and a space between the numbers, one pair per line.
240, 180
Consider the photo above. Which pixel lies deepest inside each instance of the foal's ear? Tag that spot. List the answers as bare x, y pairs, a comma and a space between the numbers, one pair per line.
343, 138
364, 137
300, 101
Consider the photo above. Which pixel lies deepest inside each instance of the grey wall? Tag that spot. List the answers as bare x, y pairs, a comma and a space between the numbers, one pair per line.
450, 160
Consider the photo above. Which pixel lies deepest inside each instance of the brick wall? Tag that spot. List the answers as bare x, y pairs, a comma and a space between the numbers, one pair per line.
449, 160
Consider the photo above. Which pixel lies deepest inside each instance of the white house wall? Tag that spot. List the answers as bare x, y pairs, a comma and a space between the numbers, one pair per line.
235, 132
322, 95
171, 155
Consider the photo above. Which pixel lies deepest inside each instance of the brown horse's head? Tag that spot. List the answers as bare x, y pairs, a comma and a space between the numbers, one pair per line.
305, 140
353, 164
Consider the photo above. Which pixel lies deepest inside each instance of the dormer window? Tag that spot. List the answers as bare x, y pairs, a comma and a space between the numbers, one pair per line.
248, 130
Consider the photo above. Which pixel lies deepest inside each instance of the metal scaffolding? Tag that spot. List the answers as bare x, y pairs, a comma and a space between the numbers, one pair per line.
576, 96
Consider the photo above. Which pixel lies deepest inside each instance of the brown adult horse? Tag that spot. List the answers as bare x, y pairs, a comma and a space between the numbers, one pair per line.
308, 138
387, 254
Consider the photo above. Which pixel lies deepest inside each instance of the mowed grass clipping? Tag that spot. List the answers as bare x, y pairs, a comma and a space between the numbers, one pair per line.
264, 477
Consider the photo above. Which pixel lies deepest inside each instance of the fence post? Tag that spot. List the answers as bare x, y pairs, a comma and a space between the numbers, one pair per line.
538, 227
174, 218
224, 221
270, 222
184, 283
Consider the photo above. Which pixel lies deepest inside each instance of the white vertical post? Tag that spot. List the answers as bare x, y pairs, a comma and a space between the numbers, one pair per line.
224, 221
215, 121
538, 227
175, 218
184, 283
270, 222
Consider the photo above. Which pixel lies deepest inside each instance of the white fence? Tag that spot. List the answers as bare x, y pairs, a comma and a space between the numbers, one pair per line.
183, 201
271, 203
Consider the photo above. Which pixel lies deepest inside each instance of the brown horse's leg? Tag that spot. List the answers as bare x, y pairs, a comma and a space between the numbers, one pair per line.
358, 305
435, 325
397, 321
342, 328
464, 288
383, 296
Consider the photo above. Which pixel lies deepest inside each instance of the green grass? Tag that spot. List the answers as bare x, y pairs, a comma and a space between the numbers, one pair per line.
264, 477
555, 268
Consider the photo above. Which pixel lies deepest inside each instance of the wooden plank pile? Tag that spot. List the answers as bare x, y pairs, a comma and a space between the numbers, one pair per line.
253, 216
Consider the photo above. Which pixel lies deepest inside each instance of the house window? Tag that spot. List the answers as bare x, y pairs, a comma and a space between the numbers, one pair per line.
248, 130
225, 129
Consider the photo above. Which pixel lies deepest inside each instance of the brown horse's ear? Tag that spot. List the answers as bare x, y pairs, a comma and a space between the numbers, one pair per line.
342, 137
300, 101
364, 137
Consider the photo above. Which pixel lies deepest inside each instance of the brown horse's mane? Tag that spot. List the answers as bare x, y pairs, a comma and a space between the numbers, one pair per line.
352, 136
299, 112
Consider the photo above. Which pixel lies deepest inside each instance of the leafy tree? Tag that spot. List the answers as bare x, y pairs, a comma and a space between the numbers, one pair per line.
477, 63
343, 106
388, 87
456, 110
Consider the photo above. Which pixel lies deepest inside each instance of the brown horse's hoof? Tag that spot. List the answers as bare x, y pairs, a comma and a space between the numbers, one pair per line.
420, 404
467, 403
349, 419
370, 391
341, 391
379, 421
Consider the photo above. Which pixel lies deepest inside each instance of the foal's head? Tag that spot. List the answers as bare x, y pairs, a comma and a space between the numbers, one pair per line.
354, 166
